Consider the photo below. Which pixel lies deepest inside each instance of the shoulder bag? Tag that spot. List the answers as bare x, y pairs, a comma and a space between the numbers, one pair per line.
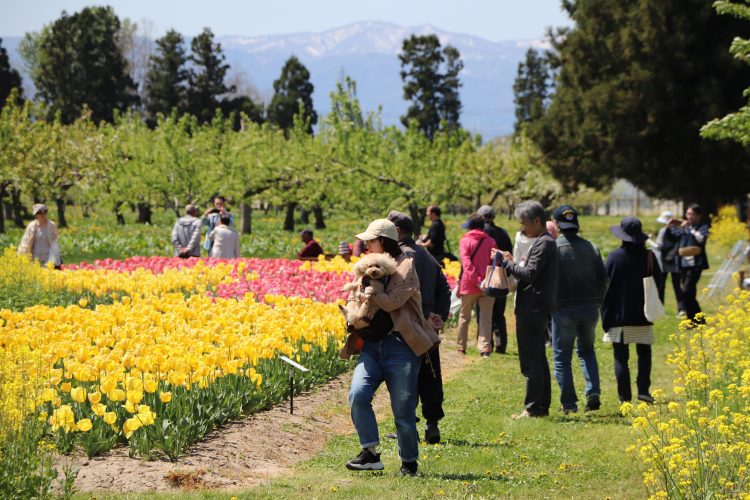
653, 308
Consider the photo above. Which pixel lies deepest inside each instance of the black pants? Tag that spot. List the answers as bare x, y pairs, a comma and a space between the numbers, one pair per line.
675, 286
622, 371
531, 332
499, 327
430, 387
689, 284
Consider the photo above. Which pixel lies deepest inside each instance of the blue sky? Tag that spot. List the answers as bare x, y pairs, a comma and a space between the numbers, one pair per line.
494, 20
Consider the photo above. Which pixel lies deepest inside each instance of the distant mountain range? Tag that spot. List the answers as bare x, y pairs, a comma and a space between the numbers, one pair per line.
368, 53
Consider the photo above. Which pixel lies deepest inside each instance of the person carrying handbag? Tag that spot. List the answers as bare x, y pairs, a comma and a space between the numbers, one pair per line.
692, 258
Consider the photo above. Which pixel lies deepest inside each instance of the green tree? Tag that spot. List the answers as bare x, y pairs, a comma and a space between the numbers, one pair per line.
430, 85
167, 76
9, 77
292, 94
76, 62
530, 89
635, 84
206, 77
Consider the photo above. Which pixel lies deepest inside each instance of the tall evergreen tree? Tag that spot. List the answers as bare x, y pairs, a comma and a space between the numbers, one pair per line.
9, 77
636, 81
206, 76
76, 61
530, 89
431, 88
167, 76
292, 88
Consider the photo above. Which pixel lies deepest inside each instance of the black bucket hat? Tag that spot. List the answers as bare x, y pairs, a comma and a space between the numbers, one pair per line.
630, 230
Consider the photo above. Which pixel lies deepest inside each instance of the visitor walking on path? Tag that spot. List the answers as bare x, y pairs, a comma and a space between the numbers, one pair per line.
390, 353
436, 302
186, 234
581, 288
692, 258
622, 310
666, 251
502, 242
475, 248
535, 301
40, 239
225, 240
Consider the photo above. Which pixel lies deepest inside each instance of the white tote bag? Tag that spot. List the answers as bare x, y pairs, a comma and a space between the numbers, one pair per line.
653, 309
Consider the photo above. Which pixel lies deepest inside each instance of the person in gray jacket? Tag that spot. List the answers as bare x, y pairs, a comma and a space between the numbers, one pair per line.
582, 284
186, 234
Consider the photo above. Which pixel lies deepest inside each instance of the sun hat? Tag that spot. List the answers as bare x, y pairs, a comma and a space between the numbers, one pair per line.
401, 221
630, 229
39, 207
665, 217
486, 211
566, 217
379, 228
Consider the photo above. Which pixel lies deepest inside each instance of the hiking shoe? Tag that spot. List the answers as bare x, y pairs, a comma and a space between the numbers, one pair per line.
648, 398
432, 434
366, 460
593, 403
408, 468
485, 355
567, 411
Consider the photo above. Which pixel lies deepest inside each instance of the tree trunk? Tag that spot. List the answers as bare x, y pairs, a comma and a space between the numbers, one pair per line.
304, 216
319, 221
246, 209
86, 211
61, 222
144, 213
15, 197
118, 214
415, 217
289, 219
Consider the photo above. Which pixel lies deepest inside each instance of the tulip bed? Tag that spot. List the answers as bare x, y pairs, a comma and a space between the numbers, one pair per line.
156, 352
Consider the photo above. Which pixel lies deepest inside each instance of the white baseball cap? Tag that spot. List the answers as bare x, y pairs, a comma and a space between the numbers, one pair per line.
379, 228
665, 217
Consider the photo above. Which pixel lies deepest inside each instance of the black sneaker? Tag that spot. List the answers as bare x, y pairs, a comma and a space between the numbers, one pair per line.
648, 398
408, 468
593, 403
366, 460
432, 434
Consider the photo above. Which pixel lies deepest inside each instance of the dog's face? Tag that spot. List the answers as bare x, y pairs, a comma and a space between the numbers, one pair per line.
375, 271
375, 266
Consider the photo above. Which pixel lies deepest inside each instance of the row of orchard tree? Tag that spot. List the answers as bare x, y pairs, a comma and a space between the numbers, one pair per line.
353, 164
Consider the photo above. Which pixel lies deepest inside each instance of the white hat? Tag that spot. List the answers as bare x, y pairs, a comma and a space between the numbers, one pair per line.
39, 207
665, 217
378, 228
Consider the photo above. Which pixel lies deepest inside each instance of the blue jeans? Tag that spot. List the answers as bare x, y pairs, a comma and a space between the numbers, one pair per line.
393, 362
568, 324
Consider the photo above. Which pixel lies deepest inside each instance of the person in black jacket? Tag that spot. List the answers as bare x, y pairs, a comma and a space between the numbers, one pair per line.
436, 301
693, 237
622, 310
502, 241
535, 301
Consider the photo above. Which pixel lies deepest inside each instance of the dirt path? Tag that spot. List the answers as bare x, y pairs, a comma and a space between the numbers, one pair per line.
250, 451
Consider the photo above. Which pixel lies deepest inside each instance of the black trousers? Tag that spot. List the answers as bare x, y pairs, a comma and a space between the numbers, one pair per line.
689, 278
430, 387
499, 327
531, 332
622, 371
675, 286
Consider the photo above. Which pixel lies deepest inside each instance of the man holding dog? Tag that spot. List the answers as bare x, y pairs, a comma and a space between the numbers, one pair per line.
436, 297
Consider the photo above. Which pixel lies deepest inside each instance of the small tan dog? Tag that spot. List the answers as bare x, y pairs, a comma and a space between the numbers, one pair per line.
369, 272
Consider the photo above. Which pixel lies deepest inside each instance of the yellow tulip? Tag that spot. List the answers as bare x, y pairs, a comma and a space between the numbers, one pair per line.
150, 386
98, 409
84, 425
65, 387
95, 397
110, 417
78, 394
165, 397
134, 397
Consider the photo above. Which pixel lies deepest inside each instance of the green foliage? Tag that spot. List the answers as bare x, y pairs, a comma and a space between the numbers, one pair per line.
431, 84
292, 96
9, 77
734, 126
76, 63
206, 76
167, 76
530, 89
635, 82
27, 464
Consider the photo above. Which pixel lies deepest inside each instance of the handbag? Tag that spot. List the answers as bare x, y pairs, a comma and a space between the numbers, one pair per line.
653, 308
689, 251
495, 282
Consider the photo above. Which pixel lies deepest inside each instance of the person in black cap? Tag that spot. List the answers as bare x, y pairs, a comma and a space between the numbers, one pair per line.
622, 310
502, 242
436, 299
582, 283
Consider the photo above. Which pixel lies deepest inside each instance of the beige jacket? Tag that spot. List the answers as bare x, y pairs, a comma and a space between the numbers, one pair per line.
403, 301
226, 243
28, 244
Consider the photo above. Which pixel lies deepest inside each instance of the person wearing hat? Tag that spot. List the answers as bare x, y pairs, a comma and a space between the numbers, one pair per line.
666, 249
40, 239
186, 234
502, 242
622, 309
475, 249
390, 351
581, 287
436, 301
312, 248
